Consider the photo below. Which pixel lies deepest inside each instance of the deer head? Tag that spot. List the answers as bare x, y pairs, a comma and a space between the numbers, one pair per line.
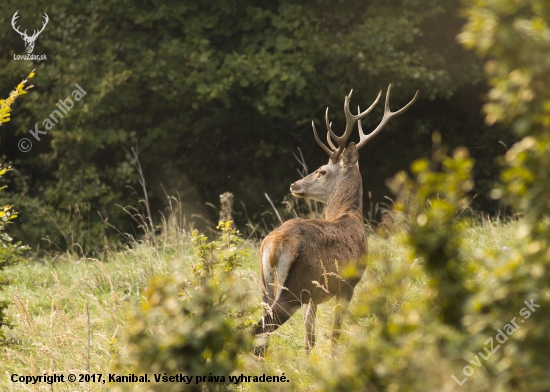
335, 180
29, 41
325, 181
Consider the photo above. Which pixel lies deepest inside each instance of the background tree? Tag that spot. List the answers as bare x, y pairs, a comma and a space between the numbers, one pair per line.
217, 94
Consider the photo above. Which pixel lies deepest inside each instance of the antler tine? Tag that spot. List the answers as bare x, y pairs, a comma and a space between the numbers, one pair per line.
331, 145
330, 153
360, 115
329, 125
388, 114
359, 127
350, 123
342, 139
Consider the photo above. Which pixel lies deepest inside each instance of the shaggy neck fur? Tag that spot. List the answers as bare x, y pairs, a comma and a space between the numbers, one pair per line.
348, 197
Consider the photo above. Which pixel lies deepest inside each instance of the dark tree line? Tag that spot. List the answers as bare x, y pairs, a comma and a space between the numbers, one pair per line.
217, 94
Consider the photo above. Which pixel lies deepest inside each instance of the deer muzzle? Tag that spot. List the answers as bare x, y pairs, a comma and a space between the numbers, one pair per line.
297, 190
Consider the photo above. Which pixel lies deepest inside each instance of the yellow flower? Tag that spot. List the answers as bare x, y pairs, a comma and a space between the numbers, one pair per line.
6, 103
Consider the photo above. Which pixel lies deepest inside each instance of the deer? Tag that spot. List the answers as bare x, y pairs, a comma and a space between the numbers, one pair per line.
29, 41
306, 262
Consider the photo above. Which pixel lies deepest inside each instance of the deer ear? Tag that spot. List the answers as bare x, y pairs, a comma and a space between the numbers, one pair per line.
350, 156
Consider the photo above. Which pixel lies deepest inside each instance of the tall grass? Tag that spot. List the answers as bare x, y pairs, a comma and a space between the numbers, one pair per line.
70, 313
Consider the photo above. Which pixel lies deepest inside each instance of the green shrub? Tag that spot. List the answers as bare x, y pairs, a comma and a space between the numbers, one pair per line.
415, 332
10, 252
194, 324
462, 332
514, 38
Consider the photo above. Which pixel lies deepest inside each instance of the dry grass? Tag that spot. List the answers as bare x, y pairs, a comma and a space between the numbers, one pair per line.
70, 313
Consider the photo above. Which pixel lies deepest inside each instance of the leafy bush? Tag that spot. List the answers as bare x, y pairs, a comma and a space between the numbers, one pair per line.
514, 36
462, 332
194, 324
415, 333
10, 252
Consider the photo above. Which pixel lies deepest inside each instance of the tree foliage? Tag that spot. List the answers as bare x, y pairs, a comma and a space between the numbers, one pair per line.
464, 331
518, 64
216, 94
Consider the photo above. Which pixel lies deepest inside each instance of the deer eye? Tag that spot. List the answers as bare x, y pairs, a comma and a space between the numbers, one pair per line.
322, 172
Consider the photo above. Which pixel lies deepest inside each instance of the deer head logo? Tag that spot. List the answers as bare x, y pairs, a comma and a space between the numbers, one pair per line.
29, 41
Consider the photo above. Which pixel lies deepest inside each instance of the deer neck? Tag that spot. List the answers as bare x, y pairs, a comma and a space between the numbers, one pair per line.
347, 199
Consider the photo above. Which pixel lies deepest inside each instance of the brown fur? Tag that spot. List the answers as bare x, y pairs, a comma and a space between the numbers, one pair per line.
315, 253
306, 256
277, 239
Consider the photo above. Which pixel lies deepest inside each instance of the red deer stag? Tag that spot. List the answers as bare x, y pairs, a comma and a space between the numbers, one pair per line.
305, 262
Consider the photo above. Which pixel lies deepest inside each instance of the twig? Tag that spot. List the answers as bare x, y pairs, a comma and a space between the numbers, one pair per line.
273, 205
144, 187
302, 162
505, 146
89, 333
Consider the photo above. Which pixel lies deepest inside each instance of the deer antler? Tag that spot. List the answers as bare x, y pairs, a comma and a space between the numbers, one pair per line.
388, 114
351, 120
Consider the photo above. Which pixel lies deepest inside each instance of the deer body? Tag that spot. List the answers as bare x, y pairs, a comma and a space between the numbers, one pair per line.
307, 262
289, 271
301, 263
